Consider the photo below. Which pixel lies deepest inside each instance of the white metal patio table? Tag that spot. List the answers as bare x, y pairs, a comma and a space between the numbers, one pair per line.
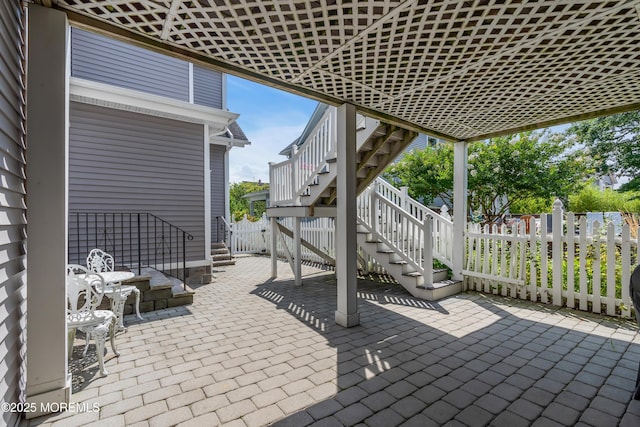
118, 294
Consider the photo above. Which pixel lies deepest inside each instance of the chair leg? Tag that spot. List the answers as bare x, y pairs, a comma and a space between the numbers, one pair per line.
137, 291
112, 333
100, 335
87, 336
71, 336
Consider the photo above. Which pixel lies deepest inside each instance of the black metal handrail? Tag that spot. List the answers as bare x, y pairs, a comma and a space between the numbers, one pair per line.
222, 231
135, 240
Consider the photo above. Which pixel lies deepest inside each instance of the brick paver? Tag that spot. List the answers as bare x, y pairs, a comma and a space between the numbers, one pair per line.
252, 351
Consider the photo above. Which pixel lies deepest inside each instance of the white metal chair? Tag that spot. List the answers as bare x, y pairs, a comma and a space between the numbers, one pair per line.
84, 294
99, 261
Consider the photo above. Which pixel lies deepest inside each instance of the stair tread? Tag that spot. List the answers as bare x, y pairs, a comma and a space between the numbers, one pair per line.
442, 284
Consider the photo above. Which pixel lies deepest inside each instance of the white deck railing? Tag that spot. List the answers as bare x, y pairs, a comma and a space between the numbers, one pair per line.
289, 179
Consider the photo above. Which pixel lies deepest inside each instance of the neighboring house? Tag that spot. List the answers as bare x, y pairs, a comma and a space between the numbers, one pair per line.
148, 134
602, 182
421, 142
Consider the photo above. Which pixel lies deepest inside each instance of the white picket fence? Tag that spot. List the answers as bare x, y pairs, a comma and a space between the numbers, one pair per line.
571, 266
566, 267
249, 237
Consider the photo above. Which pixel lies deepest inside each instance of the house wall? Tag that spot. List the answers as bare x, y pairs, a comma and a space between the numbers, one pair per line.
207, 87
218, 204
12, 226
127, 162
101, 59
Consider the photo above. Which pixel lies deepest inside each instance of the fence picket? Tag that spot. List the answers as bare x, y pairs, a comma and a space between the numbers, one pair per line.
625, 253
596, 282
611, 272
534, 253
544, 257
582, 257
571, 255
522, 275
485, 261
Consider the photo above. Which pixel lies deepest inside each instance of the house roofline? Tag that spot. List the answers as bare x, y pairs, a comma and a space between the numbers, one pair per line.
95, 93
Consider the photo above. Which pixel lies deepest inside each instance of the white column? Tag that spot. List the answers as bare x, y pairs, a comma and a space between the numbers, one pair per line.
346, 247
460, 155
274, 247
297, 262
227, 207
47, 136
207, 193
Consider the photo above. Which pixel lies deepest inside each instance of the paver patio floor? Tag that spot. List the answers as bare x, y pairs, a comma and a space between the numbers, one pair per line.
251, 352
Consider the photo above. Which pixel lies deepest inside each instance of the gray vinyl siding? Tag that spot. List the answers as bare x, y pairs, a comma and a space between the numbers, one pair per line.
218, 199
128, 162
207, 87
420, 143
12, 225
218, 206
109, 61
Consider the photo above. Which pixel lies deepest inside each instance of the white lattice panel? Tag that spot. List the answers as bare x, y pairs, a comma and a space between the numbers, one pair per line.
459, 68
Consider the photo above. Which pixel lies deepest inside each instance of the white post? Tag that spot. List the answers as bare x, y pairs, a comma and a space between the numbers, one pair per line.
47, 130
294, 166
373, 210
427, 263
460, 155
297, 262
444, 212
557, 255
208, 229
274, 247
346, 239
404, 195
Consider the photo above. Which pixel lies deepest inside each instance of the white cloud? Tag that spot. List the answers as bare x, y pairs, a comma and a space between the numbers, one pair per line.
251, 163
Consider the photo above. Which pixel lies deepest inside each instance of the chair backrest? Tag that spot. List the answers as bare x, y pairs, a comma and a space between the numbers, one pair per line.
84, 294
634, 291
99, 261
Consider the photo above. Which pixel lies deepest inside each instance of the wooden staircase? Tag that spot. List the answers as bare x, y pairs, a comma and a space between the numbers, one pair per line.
391, 234
220, 255
402, 271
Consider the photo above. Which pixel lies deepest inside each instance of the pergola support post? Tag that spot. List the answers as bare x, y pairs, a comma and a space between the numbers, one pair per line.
460, 158
346, 247
47, 109
274, 247
297, 261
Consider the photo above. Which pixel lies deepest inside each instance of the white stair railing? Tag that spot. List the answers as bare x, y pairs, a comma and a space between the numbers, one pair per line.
395, 228
442, 227
289, 179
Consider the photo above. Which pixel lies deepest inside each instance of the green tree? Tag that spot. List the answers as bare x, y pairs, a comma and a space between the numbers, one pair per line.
502, 171
238, 205
591, 199
614, 144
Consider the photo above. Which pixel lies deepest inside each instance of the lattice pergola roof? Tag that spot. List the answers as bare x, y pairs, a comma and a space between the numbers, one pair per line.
457, 69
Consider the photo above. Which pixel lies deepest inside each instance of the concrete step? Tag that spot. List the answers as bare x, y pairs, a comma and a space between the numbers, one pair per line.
222, 263
157, 291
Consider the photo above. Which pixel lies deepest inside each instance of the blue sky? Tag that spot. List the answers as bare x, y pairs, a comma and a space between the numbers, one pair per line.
271, 119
